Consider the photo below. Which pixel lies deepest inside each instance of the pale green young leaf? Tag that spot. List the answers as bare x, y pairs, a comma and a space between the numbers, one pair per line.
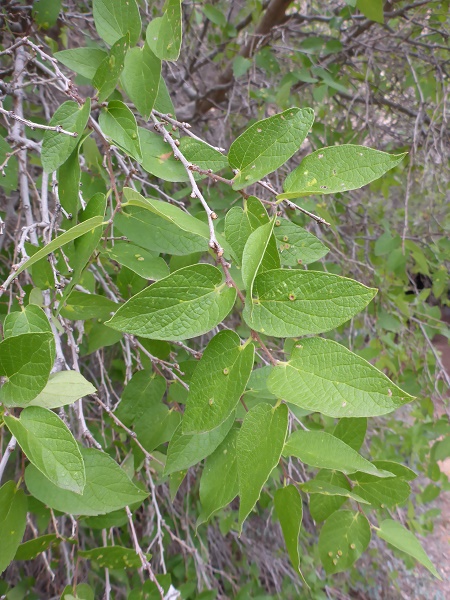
381, 493
30, 319
338, 169
324, 451
164, 33
186, 450
259, 446
343, 538
108, 73
290, 303
107, 488
84, 61
187, 303
401, 538
219, 481
118, 123
321, 506
138, 260
372, 9
166, 236
57, 147
324, 376
63, 388
218, 382
253, 254
13, 521
25, 361
61, 240
289, 509
141, 77
49, 446
396, 468
268, 144
115, 18
315, 486
296, 245
352, 431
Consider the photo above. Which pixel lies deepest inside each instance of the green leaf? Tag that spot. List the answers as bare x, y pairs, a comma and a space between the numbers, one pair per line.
166, 236
140, 261
186, 450
187, 303
289, 509
46, 12
316, 486
259, 446
63, 388
218, 382
219, 481
401, 538
268, 144
30, 319
69, 177
343, 538
113, 557
372, 9
324, 451
108, 73
326, 377
107, 487
352, 431
81, 591
13, 521
396, 468
84, 61
289, 303
81, 306
142, 392
158, 158
338, 169
118, 123
296, 245
141, 78
9, 178
49, 446
163, 101
61, 240
164, 33
116, 18
57, 147
380, 492
253, 254
200, 154
25, 361
321, 506
31, 549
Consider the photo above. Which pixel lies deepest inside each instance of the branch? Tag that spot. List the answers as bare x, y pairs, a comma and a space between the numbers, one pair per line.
12, 115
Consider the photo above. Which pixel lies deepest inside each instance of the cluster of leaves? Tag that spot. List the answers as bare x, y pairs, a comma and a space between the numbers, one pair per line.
226, 358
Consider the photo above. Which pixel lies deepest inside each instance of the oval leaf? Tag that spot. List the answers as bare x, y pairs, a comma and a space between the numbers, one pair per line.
13, 521
289, 508
63, 388
115, 18
140, 78
296, 245
164, 33
118, 123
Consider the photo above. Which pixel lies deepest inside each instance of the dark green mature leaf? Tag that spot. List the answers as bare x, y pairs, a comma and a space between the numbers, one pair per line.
113, 557
107, 487
141, 78
396, 468
63, 388
84, 61
321, 506
338, 169
13, 521
398, 536
219, 481
49, 446
218, 382
253, 254
187, 303
316, 486
259, 446
187, 450
31, 549
57, 147
164, 33
352, 431
30, 319
144, 390
289, 509
9, 178
289, 303
81, 306
118, 123
324, 376
158, 157
324, 451
380, 492
25, 361
343, 538
372, 9
69, 178
202, 155
296, 245
108, 73
115, 18
46, 12
167, 237
268, 144
138, 260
